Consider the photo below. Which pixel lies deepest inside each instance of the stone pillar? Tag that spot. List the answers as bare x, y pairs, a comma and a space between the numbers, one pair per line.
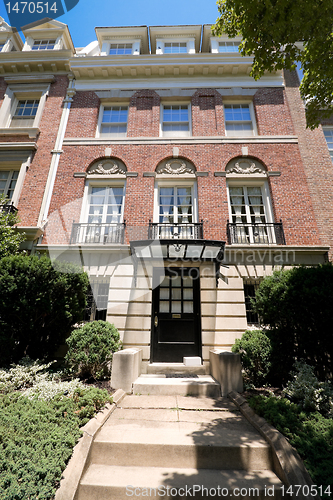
226, 368
126, 368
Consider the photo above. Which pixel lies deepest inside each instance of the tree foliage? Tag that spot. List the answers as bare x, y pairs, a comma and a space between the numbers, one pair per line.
40, 301
279, 33
10, 239
296, 305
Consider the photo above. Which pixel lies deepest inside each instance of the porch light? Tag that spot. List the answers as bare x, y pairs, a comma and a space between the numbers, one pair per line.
184, 249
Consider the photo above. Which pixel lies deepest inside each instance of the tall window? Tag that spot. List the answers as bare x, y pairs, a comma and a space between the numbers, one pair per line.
175, 48
120, 48
97, 299
250, 288
228, 46
43, 45
238, 120
248, 215
25, 113
114, 121
105, 214
175, 212
328, 133
175, 121
8, 179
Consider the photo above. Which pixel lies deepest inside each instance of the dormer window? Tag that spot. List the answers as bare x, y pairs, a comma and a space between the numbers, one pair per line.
43, 44
175, 48
120, 48
228, 46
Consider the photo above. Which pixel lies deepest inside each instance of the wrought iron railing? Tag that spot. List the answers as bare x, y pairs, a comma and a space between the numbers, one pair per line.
8, 209
100, 234
257, 233
165, 230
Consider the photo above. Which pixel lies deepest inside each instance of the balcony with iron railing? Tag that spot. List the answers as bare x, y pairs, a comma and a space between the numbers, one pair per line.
167, 230
97, 233
261, 233
8, 208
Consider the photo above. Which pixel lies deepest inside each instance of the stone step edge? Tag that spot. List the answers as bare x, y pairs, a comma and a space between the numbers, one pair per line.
78, 463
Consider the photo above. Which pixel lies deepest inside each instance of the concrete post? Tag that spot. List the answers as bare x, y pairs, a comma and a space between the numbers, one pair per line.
226, 368
126, 368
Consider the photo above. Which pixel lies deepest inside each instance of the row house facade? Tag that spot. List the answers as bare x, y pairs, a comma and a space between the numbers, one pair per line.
154, 160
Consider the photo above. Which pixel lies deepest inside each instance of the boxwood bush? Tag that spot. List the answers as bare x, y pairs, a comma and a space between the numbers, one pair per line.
90, 349
255, 351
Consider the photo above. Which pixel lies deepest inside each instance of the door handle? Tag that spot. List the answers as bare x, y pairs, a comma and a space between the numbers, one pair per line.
156, 321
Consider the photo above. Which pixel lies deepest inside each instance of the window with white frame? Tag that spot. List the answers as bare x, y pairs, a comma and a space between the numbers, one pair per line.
8, 180
113, 121
43, 44
328, 133
239, 120
104, 214
176, 120
250, 214
1, 46
250, 288
97, 299
175, 48
25, 113
228, 46
176, 211
120, 48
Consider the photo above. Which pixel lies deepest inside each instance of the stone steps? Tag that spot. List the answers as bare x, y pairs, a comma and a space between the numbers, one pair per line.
177, 442
105, 482
182, 384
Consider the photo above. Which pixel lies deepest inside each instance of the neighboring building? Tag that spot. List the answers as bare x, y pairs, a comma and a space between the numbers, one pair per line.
148, 167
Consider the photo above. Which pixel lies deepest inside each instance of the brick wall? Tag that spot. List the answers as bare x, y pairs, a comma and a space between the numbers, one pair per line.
316, 160
36, 177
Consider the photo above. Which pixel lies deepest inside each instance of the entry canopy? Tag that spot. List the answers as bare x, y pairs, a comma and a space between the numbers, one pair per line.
179, 249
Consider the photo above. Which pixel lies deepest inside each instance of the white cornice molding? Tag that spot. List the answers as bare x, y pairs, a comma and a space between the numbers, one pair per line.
89, 141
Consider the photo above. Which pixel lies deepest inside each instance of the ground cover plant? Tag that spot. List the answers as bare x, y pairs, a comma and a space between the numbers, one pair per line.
40, 420
309, 432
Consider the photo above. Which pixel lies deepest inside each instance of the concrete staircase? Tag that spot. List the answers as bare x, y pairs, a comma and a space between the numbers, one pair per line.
174, 442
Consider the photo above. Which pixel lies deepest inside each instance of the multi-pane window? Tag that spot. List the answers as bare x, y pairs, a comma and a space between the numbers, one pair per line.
8, 179
248, 215
250, 288
175, 212
328, 132
228, 46
238, 120
25, 113
120, 48
176, 295
97, 299
43, 45
114, 120
105, 214
175, 48
176, 120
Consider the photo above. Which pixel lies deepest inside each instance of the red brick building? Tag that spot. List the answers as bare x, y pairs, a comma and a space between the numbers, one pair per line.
149, 155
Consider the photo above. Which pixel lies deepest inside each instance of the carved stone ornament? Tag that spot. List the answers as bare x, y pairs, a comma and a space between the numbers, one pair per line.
107, 167
177, 167
245, 167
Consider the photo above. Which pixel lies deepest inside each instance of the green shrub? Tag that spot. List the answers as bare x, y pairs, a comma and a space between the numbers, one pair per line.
296, 305
40, 301
37, 439
305, 389
311, 434
90, 349
10, 238
255, 351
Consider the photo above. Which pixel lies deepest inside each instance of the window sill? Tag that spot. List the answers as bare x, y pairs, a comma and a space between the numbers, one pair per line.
32, 132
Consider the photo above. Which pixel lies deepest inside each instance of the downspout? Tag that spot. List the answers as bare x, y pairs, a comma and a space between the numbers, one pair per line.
56, 152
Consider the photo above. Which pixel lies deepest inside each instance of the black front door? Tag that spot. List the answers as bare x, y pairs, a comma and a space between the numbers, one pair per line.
176, 322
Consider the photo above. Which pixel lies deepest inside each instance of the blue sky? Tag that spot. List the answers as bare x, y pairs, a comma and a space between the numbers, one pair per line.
83, 18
